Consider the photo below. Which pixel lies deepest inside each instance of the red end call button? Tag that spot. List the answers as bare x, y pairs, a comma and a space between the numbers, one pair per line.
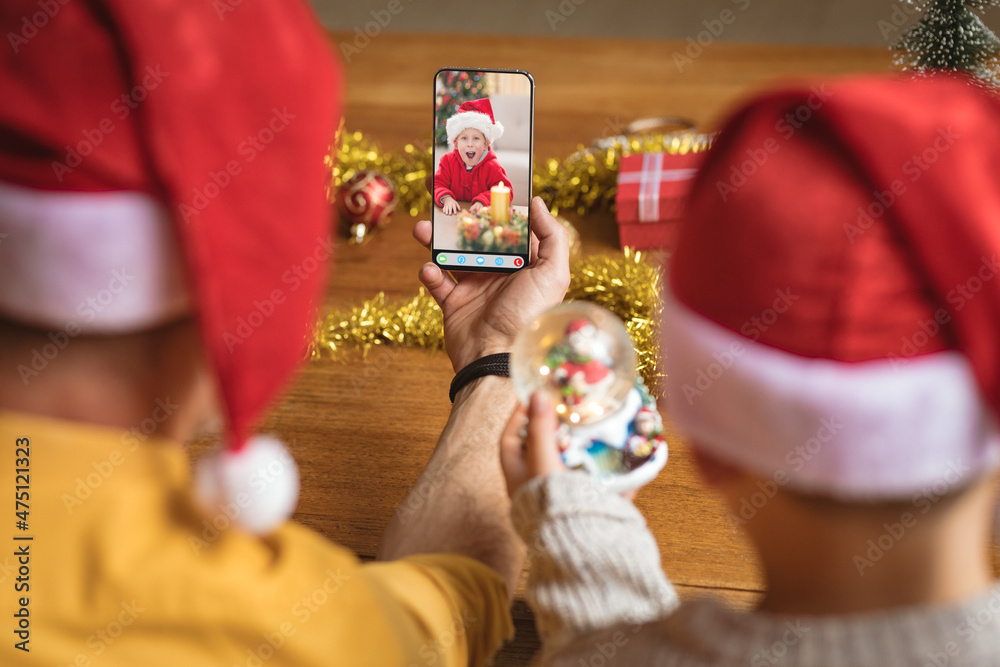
518, 262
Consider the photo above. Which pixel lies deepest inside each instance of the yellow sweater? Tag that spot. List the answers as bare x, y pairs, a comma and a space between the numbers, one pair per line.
116, 567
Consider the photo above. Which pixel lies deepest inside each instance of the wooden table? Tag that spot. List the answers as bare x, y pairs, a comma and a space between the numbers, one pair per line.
362, 430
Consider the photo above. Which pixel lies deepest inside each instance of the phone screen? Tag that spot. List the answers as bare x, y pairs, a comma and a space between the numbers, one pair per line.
483, 133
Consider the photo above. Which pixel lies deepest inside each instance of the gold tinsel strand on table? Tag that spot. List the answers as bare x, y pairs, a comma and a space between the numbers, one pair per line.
413, 322
630, 287
408, 171
627, 284
585, 181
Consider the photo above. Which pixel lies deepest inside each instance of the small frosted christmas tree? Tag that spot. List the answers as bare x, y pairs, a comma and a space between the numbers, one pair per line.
453, 89
950, 36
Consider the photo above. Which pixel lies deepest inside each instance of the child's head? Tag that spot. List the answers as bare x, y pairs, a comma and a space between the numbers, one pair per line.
473, 130
831, 332
471, 145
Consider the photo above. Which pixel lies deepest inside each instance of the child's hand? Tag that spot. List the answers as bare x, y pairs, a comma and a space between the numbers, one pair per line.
528, 446
450, 206
476, 206
538, 454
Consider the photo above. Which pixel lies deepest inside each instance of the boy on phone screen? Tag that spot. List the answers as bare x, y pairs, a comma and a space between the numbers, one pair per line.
469, 171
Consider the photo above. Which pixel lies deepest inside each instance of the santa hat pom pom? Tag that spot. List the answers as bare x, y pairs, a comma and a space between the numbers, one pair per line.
255, 487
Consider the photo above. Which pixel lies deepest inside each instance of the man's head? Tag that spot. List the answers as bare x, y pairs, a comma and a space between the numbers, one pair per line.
471, 145
124, 225
151, 383
164, 195
821, 324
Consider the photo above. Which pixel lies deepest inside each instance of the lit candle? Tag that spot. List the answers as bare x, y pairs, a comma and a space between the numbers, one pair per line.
500, 204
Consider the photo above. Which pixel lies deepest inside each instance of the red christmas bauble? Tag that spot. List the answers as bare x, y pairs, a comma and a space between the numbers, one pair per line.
367, 200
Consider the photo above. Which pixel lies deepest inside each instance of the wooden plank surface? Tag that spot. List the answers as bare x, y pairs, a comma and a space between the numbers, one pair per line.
362, 429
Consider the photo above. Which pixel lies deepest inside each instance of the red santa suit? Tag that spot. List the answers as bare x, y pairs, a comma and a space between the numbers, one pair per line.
454, 179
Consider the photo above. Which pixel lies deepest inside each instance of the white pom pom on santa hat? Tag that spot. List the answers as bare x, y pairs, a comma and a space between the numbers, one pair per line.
475, 114
255, 487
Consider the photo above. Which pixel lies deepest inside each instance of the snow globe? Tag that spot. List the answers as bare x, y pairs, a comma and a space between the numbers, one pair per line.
582, 356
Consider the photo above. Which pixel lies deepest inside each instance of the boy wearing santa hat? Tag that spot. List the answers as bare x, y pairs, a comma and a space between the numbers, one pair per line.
153, 158
469, 171
845, 303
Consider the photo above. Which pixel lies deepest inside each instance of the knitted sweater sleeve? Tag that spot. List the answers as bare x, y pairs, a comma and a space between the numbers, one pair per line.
593, 560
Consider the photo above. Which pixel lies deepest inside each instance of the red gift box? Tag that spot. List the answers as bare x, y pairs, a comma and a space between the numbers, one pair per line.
651, 191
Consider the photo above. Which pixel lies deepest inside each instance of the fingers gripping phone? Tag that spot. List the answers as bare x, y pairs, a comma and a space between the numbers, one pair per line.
481, 188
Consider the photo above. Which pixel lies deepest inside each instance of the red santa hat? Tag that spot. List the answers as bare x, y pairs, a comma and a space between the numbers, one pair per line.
579, 325
475, 114
835, 303
158, 159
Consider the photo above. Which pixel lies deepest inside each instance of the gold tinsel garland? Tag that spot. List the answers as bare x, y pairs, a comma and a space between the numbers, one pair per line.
585, 181
627, 284
588, 179
630, 287
408, 171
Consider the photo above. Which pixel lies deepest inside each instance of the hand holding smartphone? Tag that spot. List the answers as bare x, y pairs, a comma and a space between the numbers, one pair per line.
481, 189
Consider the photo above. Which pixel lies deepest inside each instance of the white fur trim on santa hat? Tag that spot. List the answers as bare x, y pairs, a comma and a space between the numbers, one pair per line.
874, 430
475, 120
102, 262
256, 488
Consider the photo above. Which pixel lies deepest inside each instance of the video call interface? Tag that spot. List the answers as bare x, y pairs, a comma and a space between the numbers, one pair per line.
482, 169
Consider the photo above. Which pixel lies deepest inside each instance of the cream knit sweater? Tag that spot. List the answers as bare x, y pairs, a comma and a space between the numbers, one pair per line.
600, 598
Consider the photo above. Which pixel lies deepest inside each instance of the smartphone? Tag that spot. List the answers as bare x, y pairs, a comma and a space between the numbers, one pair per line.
481, 188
